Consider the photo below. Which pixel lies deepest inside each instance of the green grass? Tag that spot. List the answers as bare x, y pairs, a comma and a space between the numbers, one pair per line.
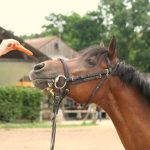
25, 125
41, 125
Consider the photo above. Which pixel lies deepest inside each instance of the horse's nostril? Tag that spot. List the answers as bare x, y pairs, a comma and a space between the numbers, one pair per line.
39, 66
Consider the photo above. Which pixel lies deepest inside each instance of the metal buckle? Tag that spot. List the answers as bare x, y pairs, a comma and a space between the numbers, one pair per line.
50, 89
57, 80
107, 72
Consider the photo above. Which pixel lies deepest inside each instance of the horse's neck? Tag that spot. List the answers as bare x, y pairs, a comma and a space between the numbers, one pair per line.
130, 115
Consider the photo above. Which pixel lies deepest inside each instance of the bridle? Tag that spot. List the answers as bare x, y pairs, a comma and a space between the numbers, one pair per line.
79, 79
62, 90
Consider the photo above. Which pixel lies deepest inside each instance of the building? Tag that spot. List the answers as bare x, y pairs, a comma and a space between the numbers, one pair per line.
53, 47
15, 65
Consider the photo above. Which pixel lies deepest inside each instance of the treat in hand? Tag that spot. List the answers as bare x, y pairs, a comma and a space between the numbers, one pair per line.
22, 49
8, 45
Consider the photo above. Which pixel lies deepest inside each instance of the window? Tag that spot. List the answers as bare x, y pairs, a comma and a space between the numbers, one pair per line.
56, 46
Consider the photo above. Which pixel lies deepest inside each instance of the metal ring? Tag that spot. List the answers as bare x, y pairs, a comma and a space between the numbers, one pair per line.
57, 79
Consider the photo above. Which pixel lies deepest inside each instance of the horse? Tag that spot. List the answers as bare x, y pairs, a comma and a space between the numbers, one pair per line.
98, 76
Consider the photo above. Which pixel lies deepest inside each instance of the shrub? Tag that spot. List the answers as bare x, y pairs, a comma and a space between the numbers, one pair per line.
31, 100
17, 103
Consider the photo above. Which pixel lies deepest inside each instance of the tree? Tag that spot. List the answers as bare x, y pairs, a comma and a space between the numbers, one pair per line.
79, 32
129, 21
55, 24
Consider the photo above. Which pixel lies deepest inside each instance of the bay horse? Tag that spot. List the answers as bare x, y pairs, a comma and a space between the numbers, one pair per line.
98, 76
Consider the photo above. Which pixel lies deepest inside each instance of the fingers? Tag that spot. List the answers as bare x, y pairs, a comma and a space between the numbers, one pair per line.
8, 45
12, 43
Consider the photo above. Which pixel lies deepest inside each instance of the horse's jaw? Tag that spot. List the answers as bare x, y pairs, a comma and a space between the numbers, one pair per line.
40, 84
37, 81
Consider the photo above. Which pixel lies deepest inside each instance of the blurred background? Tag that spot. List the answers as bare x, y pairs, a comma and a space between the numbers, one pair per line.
53, 29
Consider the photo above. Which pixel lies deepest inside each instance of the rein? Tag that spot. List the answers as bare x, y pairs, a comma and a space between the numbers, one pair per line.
62, 90
57, 99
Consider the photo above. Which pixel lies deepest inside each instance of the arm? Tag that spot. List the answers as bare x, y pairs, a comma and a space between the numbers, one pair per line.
7, 45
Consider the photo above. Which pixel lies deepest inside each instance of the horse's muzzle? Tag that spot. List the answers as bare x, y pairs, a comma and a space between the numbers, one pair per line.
36, 74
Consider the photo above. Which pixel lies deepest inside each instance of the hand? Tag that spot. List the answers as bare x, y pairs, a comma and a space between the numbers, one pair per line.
7, 45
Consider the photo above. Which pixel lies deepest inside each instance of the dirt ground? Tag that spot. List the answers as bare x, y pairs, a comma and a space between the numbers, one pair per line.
100, 137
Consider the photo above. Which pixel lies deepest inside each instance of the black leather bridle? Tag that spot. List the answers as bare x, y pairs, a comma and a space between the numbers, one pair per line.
102, 75
62, 90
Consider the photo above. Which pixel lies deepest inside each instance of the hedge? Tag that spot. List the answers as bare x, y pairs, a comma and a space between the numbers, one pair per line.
20, 103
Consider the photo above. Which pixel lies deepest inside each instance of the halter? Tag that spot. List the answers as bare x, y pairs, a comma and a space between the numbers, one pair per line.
62, 90
79, 79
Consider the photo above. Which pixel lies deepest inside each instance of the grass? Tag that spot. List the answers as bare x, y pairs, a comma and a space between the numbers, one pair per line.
24, 125
42, 125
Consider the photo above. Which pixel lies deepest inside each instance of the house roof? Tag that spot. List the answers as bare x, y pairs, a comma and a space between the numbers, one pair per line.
39, 42
37, 55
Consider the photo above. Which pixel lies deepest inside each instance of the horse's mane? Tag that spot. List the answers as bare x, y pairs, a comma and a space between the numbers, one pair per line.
128, 74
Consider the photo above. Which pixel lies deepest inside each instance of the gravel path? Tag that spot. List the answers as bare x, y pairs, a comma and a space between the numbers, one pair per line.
100, 137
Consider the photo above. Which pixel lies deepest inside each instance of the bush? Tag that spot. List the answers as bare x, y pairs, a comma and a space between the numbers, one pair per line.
20, 103
31, 103
10, 104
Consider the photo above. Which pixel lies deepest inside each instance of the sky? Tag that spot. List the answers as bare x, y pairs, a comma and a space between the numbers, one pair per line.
28, 16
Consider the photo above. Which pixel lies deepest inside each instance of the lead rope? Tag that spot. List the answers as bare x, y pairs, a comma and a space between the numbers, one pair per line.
57, 101
58, 97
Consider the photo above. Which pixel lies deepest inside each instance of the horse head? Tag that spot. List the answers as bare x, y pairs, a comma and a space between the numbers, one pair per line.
83, 72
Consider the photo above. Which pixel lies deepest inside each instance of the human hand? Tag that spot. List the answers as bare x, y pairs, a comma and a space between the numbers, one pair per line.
7, 45
11, 44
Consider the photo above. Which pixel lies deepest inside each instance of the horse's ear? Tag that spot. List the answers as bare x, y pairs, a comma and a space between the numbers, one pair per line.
112, 49
101, 44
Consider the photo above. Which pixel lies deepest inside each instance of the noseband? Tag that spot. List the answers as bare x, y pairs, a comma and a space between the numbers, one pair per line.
63, 89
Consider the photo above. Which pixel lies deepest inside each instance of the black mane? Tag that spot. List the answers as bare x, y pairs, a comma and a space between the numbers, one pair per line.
128, 74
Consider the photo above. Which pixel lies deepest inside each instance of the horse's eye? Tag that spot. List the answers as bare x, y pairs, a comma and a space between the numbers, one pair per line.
92, 61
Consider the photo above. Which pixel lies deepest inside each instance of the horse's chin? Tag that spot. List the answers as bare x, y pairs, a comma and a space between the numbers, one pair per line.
35, 78
40, 84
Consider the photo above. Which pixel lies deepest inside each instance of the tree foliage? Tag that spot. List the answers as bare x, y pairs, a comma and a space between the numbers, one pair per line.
130, 23
128, 20
78, 31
